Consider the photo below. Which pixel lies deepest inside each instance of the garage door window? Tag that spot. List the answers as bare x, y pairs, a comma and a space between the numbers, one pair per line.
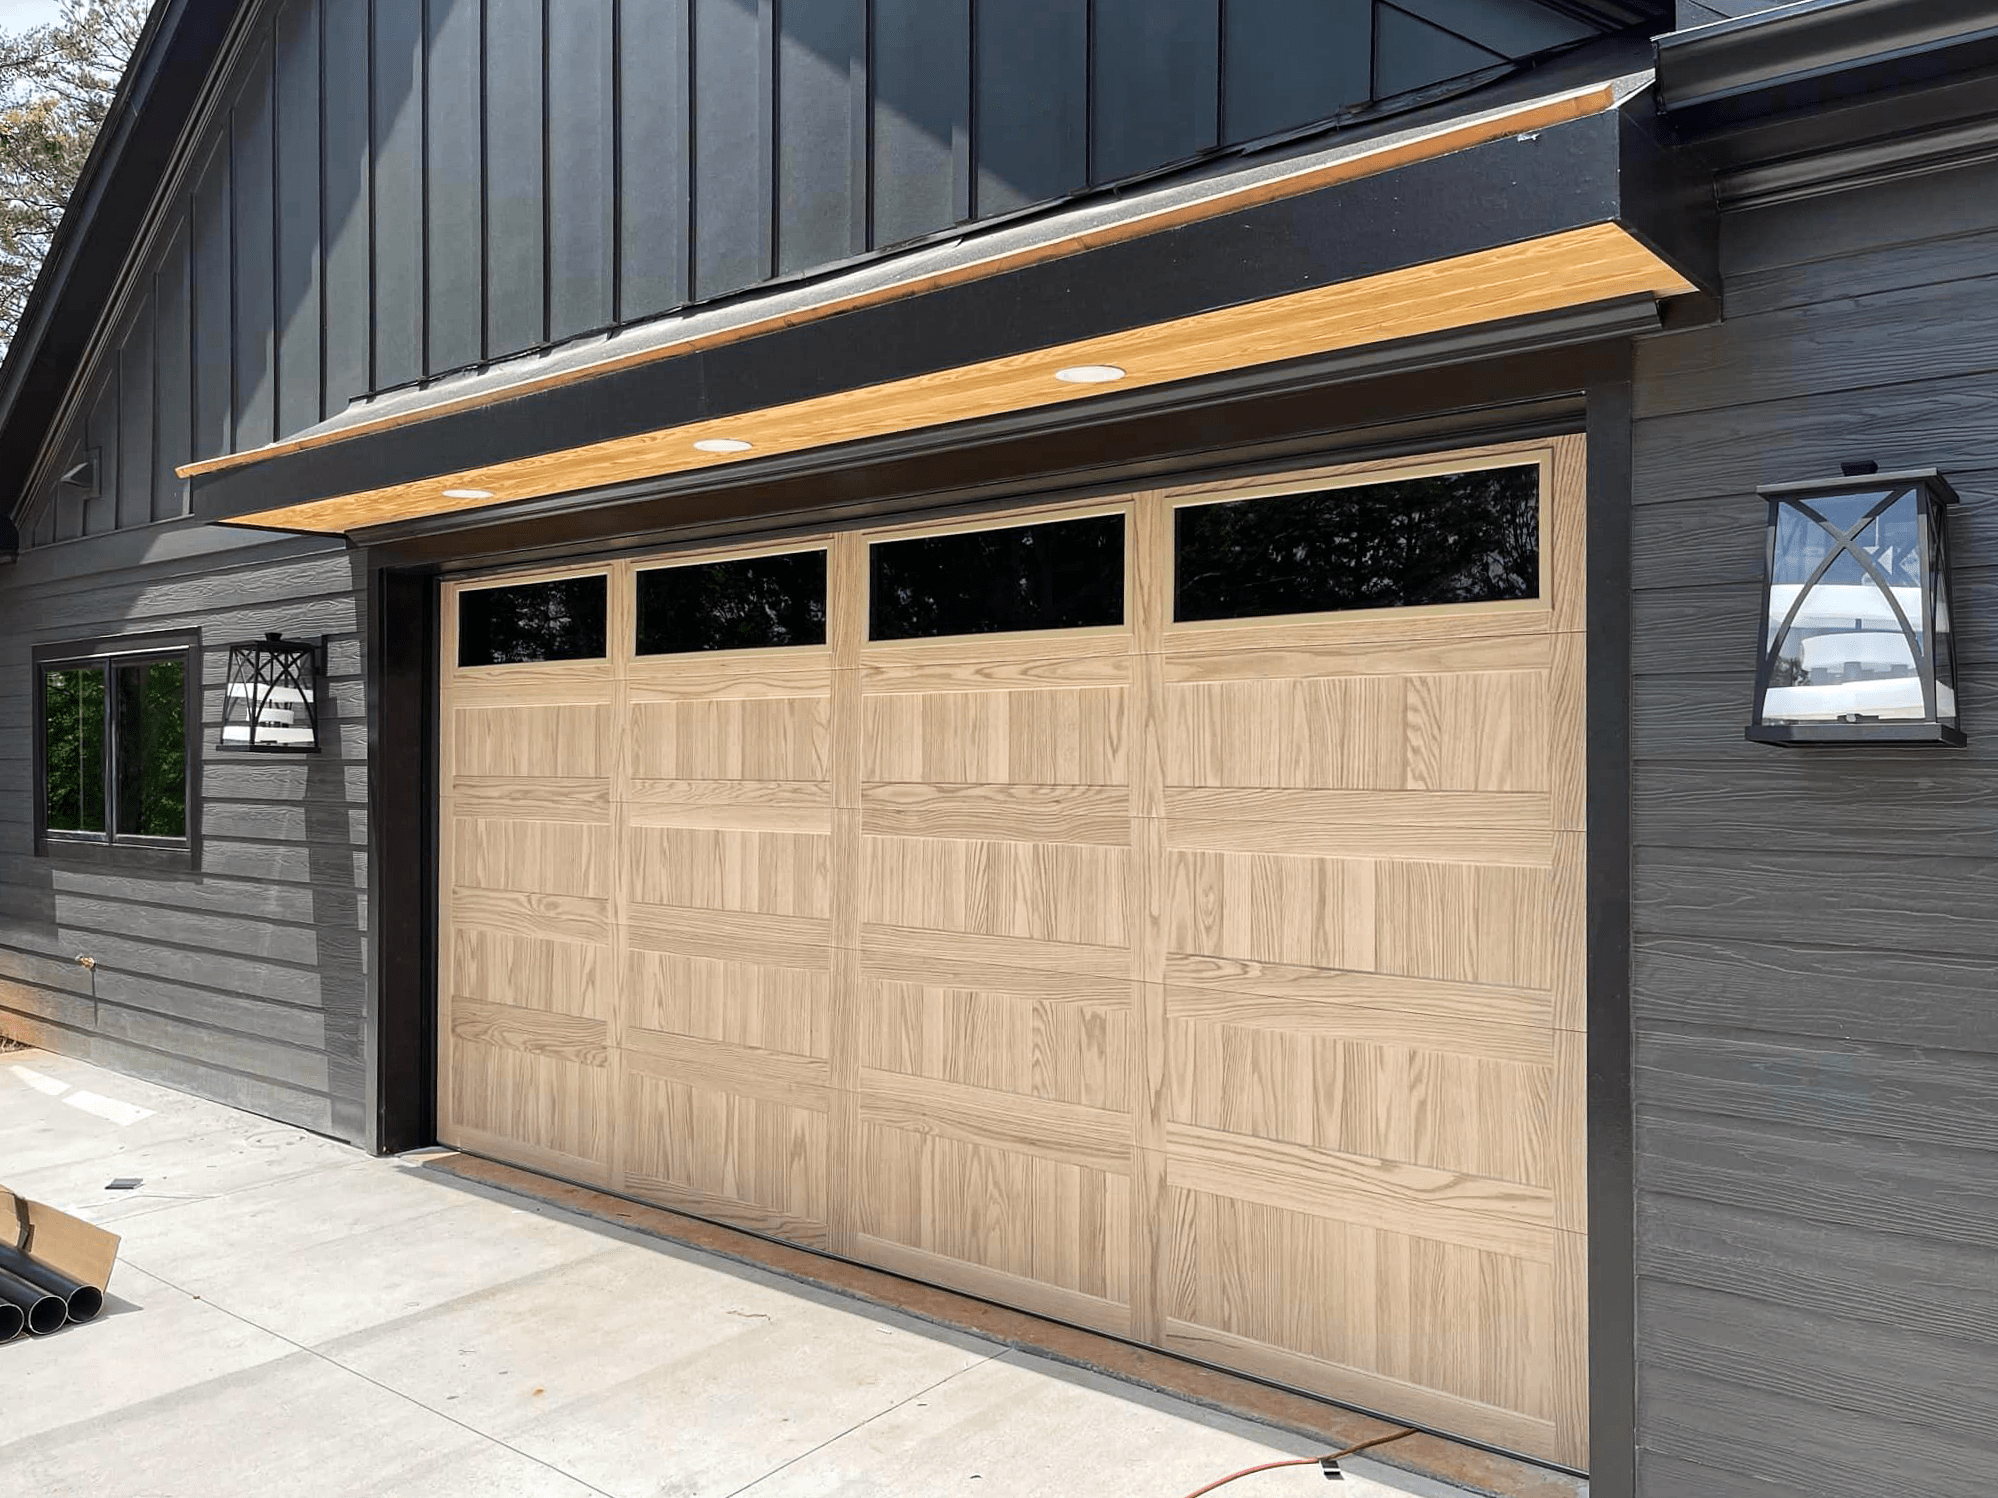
745, 603
561, 620
1061, 574
1447, 538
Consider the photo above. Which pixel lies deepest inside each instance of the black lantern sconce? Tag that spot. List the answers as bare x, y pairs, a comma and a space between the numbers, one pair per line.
271, 703
1856, 643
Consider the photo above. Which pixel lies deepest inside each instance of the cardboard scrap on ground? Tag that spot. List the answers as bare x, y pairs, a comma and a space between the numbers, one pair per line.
67, 1244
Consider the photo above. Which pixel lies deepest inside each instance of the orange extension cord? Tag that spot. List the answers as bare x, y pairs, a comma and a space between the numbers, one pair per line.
1330, 1463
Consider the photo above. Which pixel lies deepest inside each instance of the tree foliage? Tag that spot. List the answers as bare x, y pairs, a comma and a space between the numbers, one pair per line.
56, 86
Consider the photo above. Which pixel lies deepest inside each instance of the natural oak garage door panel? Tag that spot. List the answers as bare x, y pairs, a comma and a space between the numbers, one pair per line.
1209, 980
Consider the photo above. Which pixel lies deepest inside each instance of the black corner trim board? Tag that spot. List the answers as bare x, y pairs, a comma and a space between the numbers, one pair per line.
1573, 175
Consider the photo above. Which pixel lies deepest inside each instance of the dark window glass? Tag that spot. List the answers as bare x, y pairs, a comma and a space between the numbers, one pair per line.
1454, 538
73, 748
553, 621
745, 604
152, 748
1064, 574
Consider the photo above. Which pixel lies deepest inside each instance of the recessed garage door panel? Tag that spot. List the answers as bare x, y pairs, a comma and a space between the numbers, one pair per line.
726, 884
1162, 914
528, 854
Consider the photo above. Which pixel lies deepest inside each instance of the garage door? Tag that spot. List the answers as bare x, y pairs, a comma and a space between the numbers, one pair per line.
1162, 913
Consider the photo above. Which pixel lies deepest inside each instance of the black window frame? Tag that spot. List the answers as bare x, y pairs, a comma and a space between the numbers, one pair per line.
134, 850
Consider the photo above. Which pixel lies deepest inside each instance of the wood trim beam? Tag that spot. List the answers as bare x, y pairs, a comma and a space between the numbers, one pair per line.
1579, 266
1391, 155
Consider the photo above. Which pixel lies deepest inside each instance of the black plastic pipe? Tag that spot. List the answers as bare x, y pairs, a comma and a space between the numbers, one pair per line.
81, 1302
13, 1321
45, 1312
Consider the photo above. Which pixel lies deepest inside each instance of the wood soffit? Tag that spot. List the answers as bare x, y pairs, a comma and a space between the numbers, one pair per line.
1563, 269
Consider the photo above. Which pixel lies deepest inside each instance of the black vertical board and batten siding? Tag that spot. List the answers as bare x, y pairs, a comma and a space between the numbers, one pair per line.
1816, 940
391, 190
245, 979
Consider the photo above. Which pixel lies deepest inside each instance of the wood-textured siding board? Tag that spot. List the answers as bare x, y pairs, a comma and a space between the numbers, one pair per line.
1917, 999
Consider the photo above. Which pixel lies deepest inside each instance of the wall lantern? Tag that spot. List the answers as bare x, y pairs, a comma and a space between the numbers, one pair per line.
271, 703
1856, 645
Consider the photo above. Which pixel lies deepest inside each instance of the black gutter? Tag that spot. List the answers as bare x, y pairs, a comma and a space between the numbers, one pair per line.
157, 100
1817, 56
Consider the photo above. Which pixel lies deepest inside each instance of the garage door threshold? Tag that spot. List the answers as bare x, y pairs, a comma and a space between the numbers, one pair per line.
1422, 1454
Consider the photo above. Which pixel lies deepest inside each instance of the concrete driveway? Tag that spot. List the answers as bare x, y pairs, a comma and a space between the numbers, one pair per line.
292, 1317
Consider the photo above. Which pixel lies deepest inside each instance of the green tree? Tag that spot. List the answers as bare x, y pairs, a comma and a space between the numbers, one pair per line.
57, 83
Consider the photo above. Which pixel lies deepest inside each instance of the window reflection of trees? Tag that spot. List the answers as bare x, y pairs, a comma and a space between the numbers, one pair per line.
1450, 538
73, 750
1066, 574
562, 620
746, 603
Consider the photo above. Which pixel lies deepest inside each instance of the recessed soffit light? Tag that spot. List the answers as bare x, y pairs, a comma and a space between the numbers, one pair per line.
468, 494
1089, 374
722, 445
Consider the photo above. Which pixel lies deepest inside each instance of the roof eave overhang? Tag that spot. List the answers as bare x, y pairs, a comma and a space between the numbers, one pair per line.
1538, 214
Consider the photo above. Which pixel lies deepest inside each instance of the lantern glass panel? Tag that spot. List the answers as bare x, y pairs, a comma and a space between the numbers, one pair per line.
1848, 622
1945, 639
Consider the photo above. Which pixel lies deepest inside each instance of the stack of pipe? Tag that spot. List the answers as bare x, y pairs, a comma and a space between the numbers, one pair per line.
38, 1299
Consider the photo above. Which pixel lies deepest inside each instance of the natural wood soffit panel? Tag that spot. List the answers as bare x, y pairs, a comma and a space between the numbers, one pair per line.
1570, 269
1400, 151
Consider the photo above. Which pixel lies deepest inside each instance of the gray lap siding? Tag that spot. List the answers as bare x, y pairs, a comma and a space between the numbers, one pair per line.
243, 980
1815, 944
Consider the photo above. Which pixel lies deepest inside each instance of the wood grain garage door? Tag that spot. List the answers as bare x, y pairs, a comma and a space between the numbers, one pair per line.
1199, 970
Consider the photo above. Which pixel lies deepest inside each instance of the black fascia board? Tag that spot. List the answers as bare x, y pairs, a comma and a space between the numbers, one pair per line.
1816, 58
173, 63
1584, 172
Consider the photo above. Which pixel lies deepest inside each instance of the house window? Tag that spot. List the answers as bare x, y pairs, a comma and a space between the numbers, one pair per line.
1437, 539
113, 745
561, 620
1059, 574
745, 603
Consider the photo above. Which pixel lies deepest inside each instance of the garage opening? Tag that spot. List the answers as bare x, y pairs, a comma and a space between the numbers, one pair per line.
1164, 914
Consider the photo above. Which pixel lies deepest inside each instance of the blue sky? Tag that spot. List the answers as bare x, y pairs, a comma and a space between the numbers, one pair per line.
16, 14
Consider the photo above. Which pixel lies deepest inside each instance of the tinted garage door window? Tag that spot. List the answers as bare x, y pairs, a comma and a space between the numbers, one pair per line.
1061, 574
1446, 538
562, 620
